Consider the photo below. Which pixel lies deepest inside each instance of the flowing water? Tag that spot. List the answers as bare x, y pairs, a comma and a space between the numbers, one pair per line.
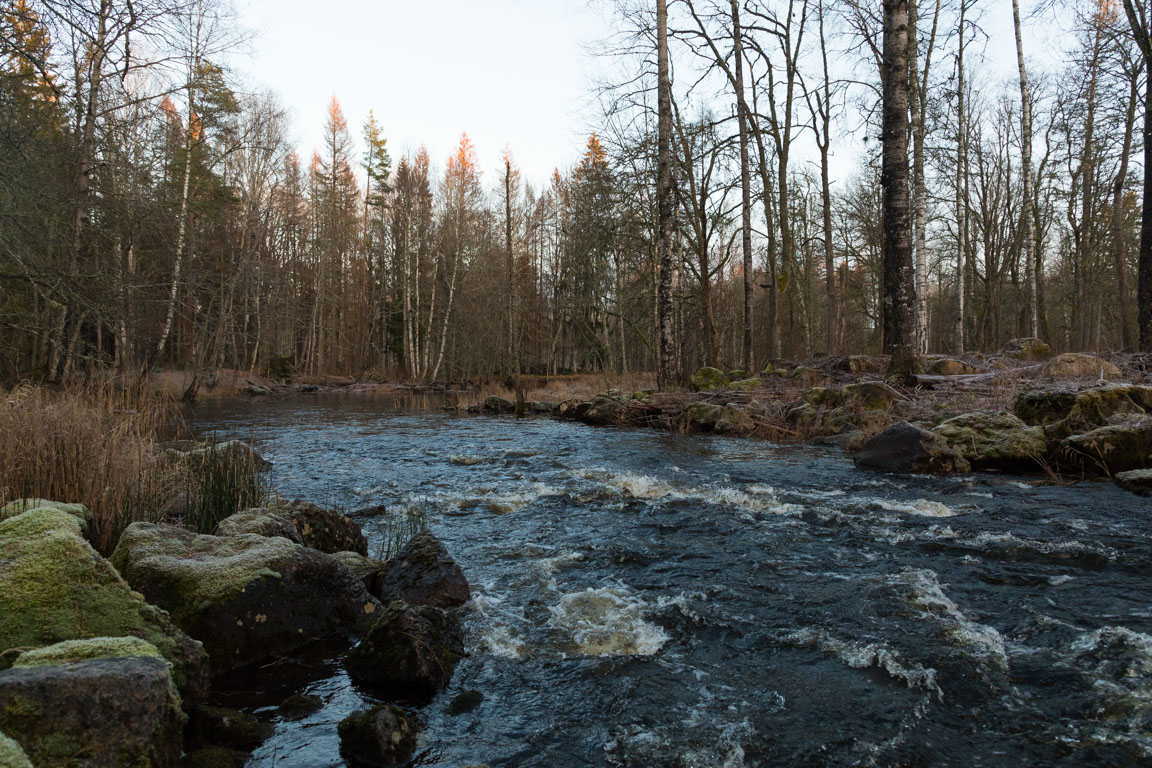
651, 599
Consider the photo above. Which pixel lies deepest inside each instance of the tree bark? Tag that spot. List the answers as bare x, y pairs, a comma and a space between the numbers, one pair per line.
1030, 277
667, 362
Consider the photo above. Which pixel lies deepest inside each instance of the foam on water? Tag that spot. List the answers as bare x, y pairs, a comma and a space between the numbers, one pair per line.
755, 497
864, 655
926, 595
922, 507
607, 622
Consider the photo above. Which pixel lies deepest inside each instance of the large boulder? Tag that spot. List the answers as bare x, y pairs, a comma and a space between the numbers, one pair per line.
746, 385
605, 409
497, 404
1085, 409
82, 707
410, 653
54, 587
1111, 450
260, 522
20, 506
868, 396
366, 569
1073, 365
1038, 407
245, 597
947, 366
708, 378
423, 573
859, 364
907, 448
1137, 481
1031, 349
380, 737
700, 417
995, 440
734, 420
323, 529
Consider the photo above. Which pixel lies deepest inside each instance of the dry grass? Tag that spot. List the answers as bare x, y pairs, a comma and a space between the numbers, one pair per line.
583, 386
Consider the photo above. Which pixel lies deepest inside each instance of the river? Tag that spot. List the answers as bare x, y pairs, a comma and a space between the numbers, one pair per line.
643, 598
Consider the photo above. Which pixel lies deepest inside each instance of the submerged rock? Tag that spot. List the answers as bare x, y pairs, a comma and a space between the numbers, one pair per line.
109, 712
245, 597
1074, 365
298, 706
1137, 481
409, 654
422, 573
228, 728
324, 529
708, 378
381, 737
463, 703
1111, 450
54, 587
906, 448
995, 440
260, 522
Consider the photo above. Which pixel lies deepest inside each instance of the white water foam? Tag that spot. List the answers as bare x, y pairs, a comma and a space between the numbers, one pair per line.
864, 655
755, 497
922, 507
607, 622
925, 594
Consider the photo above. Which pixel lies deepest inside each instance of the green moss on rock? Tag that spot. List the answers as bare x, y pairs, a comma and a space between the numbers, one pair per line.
11, 755
995, 440
708, 378
20, 506
743, 385
71, 651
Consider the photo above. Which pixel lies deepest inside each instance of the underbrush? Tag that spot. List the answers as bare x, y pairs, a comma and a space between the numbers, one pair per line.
100, 446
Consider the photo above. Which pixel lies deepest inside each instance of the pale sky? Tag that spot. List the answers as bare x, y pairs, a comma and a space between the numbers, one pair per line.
509, 72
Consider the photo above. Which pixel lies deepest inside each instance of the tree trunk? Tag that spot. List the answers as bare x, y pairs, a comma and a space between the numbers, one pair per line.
745, 185
664, 196
1030, 280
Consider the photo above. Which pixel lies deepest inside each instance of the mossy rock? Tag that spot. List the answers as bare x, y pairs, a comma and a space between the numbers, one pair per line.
324, 529
11, 755
261, 522
808, 377
1074, 365
1030, 348
708, 378
20, 506
1038, 407
848, 419
869, 395
245, 597
745, 385
823, 396
736, 375
1137, 481
381, 737
605, 409
995, 440
700, 417
54, 587
734, 420
72, 651
101, 712
1110, 450
947, 366
229, 728
1096, 407
366, 569
905, 447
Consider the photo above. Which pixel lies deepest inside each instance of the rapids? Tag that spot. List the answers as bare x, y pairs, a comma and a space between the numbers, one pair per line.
651, 599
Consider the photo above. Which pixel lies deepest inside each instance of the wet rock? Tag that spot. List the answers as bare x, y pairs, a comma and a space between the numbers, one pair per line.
708, 378
298, 706
463, 703
260, 522
376, 510
323, 529
734, 420
1073, 365
11, 755
496, 404
410, 653
380, 737
700, 417
121, 711
423, 573
215, 757
1110, 450
245, 597
947, 366
228, 728
605, 409
906, 448
1137, 481
54, 587
366, 569
995, 440
1030, 348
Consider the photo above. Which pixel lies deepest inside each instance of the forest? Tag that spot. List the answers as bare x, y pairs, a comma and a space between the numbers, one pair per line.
154, 212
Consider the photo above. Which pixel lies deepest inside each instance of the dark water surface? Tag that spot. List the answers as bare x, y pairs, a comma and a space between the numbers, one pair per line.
650, 599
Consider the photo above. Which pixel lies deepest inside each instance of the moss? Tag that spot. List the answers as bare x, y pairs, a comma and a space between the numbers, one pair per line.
71, 651
1080, 366
869, 395
20, 506
708, 378
11, 755
994, 439
743, 385
55, 587
701, 416
201, 570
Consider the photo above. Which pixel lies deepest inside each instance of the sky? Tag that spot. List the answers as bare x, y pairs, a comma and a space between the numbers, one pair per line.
513, 73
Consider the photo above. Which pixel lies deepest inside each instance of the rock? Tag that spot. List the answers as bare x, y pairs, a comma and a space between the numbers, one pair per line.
410, 653
366, 569
946, 366
495, 404
566, 409
55, 587
121, 711
700, 417
20, 506
848, 419
539, 407
734, 420
245, 597
376, 510
708, 378
215, 757
1137, 481
1096, 407
298, 706
423, 573
808, 377
260, 522
228, 728
859, 364
11, 755
1074, 365
869, 396
605, 409
1026, 349
463, 703
229, 450
323, 529
995, 440
257, 390
736, 375
746, 385
1111, 450
380, 737
822, 396
906, 448
1043, 406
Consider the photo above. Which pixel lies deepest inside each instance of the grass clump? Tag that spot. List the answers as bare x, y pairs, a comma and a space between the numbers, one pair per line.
398, 526
223, 479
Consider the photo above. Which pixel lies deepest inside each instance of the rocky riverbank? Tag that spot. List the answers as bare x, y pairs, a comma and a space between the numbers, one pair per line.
110, 662
1071, 416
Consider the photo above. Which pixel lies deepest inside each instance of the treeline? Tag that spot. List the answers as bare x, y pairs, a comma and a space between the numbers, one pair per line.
153, 212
